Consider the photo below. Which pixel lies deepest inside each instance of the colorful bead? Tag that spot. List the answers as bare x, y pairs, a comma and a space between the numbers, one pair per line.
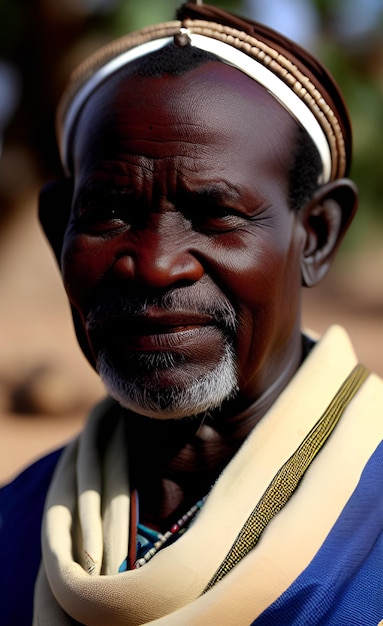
157, 540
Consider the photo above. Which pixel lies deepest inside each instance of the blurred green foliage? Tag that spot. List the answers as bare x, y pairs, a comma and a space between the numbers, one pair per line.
135, 15
363, 91
357, 64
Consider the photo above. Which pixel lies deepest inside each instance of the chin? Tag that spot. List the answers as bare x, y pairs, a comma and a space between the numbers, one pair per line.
146, 395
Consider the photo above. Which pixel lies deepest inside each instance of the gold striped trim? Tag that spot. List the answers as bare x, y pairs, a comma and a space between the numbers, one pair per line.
288, 477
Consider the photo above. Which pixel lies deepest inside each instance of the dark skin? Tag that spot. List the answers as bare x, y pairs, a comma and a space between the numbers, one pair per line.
201, 176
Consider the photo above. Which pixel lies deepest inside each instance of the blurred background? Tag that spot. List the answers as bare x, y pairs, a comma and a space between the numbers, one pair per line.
46, 386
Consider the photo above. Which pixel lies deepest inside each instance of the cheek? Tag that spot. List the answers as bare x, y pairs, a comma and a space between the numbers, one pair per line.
246, 276
256, 287
254, 273
84, 261
262, 280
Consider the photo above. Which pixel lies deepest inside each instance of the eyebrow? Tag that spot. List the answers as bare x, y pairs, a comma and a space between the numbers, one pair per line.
216, 192
103, 191
223, 194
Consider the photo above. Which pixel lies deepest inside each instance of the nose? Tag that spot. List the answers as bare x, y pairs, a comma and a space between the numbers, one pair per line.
160, 255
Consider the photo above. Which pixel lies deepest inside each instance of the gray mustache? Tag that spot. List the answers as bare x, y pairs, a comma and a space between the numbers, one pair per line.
187, 300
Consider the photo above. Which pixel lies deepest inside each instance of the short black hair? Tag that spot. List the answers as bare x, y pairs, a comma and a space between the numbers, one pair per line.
304, 171
171, 59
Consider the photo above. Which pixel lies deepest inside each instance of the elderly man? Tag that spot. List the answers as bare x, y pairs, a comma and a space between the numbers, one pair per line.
233, 474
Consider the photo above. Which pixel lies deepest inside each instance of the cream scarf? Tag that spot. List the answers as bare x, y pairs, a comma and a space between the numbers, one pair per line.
86, 521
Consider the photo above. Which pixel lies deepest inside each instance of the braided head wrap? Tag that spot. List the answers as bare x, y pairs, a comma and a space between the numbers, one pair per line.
293, 76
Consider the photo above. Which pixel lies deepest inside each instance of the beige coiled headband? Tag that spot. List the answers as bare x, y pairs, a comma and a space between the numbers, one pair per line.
289, 75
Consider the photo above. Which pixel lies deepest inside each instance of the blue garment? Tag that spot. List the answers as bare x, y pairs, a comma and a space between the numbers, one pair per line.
343, 584
21, 508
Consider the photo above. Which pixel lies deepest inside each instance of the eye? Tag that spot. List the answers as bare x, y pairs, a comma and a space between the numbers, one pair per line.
96, 213
101, 219
213, 218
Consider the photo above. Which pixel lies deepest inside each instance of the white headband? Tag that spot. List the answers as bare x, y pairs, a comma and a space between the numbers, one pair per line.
230, 55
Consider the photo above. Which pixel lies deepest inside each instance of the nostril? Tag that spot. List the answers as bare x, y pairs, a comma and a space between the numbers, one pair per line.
158, 269
124, 266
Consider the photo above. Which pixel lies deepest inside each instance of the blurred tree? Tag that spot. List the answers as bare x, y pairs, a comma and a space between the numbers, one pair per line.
351, 45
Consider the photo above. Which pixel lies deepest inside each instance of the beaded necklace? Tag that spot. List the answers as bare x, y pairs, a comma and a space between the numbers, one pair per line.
149, 541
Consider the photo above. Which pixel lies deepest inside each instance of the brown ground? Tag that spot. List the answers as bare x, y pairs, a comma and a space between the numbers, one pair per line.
46, 386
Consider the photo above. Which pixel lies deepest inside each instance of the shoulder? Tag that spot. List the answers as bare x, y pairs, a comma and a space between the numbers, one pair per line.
21, 508
30, 486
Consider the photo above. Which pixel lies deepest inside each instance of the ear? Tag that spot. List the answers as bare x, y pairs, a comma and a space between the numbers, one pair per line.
55, 201
326, 219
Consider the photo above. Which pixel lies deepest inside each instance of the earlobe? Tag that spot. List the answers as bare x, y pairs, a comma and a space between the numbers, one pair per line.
55, 202
326, 219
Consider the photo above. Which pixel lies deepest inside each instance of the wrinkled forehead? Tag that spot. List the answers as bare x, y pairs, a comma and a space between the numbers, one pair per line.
213, 107
213, 93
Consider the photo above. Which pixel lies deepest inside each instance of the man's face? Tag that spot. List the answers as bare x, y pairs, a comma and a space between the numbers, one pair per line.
181, 256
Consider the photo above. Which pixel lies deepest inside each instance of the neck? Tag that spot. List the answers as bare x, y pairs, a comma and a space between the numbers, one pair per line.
179, 460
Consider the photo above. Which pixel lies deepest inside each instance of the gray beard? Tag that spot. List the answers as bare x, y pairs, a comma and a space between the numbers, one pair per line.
193, 397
